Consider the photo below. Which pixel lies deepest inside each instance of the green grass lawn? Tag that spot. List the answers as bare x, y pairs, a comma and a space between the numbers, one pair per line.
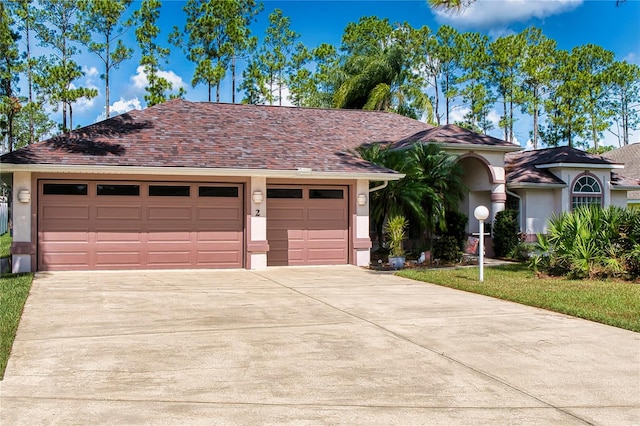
14, 289
609, 302
5, 245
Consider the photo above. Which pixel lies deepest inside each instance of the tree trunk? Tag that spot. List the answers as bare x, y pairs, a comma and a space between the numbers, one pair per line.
29, 82
535, 118
233, 80
218, 92
209, 91
511, 120
506, 123
106, 79
435, 85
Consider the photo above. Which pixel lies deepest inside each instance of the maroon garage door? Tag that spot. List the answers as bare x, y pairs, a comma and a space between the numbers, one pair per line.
307, 225
133, 225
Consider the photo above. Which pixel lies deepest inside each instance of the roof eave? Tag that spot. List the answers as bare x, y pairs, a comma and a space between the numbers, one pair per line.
616, 187
478, 147
534, 185
198, 171
579, 166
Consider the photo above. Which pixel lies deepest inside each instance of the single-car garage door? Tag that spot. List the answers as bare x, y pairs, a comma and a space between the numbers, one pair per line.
129, 225
307, 225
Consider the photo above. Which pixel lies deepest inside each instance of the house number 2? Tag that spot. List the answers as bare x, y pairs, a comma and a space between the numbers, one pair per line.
257, 212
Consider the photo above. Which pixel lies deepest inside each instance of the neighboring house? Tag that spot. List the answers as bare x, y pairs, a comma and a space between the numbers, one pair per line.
630, 156
206, 185
550, 181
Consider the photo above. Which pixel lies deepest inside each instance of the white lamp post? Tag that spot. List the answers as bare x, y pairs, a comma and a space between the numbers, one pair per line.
481, 213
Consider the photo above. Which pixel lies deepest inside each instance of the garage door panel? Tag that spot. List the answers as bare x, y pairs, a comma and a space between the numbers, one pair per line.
219, 258
326, 255
65, 212
219, 237
276, 213
169, 258
117, 236
169, 236
65, 259
219, 213
123, 213
324, 217
93, 231
65, 235
170, 213
326, 235
118, 258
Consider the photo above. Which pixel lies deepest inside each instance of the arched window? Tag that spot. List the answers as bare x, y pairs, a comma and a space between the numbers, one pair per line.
586, 191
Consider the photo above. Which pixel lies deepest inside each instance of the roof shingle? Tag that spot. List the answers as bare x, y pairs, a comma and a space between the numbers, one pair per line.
180, 133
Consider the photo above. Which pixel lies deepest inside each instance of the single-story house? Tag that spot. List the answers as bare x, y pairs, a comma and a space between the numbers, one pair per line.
207, 185
550, 181
630, 156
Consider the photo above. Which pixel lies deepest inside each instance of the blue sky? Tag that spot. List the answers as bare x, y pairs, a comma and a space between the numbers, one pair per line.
570, 22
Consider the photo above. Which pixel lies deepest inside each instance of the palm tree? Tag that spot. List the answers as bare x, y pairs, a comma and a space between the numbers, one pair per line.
431, 186
381, 81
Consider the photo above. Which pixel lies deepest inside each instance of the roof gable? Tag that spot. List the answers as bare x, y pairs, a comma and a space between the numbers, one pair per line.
451, 134
531, 167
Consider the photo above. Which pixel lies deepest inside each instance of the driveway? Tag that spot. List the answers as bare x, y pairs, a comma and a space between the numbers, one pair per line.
316, 345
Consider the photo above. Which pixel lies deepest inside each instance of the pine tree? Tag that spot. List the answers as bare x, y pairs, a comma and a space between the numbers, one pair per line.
103, 19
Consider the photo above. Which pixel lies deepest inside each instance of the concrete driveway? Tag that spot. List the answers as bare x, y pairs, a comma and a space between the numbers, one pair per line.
317, 345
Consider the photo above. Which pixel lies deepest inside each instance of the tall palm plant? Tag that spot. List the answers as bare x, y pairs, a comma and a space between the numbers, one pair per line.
442, 177
431, 186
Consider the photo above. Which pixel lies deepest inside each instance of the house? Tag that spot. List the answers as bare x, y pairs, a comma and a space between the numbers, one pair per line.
207, 185
630, 156
550, 181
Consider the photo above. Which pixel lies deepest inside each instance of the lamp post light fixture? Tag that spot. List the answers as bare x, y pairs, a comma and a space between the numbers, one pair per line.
481, 213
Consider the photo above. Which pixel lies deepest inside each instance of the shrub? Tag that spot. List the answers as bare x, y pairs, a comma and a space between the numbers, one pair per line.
506, 233
447, 249
456, 223
591, 242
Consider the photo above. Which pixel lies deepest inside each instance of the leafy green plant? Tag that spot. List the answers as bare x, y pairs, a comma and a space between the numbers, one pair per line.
506, 233
591, 242
395, 230
446, 249
456, 224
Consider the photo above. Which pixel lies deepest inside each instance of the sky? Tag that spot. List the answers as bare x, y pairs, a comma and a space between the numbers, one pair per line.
570, 22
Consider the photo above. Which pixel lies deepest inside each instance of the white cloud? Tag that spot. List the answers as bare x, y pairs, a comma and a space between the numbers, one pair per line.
90, 73
121, 106
140, 80
494, 118
632, 58
457, 114
488, 13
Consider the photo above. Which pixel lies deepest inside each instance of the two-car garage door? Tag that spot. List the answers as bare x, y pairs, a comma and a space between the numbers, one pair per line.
126, 225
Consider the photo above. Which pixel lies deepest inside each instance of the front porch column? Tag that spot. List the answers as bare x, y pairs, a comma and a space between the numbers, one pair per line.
257, 244
361, 238
498, 200
22, 247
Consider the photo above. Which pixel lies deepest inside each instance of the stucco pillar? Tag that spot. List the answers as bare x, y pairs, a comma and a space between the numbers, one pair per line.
22, 247
257, 244
361, 238
498, 199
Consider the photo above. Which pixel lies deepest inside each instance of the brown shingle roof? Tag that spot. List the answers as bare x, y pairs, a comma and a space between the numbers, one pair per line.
630, 156
520, 167
180, 133
453, 134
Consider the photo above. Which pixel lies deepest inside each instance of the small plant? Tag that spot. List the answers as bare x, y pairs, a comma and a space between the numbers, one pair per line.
395, 230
